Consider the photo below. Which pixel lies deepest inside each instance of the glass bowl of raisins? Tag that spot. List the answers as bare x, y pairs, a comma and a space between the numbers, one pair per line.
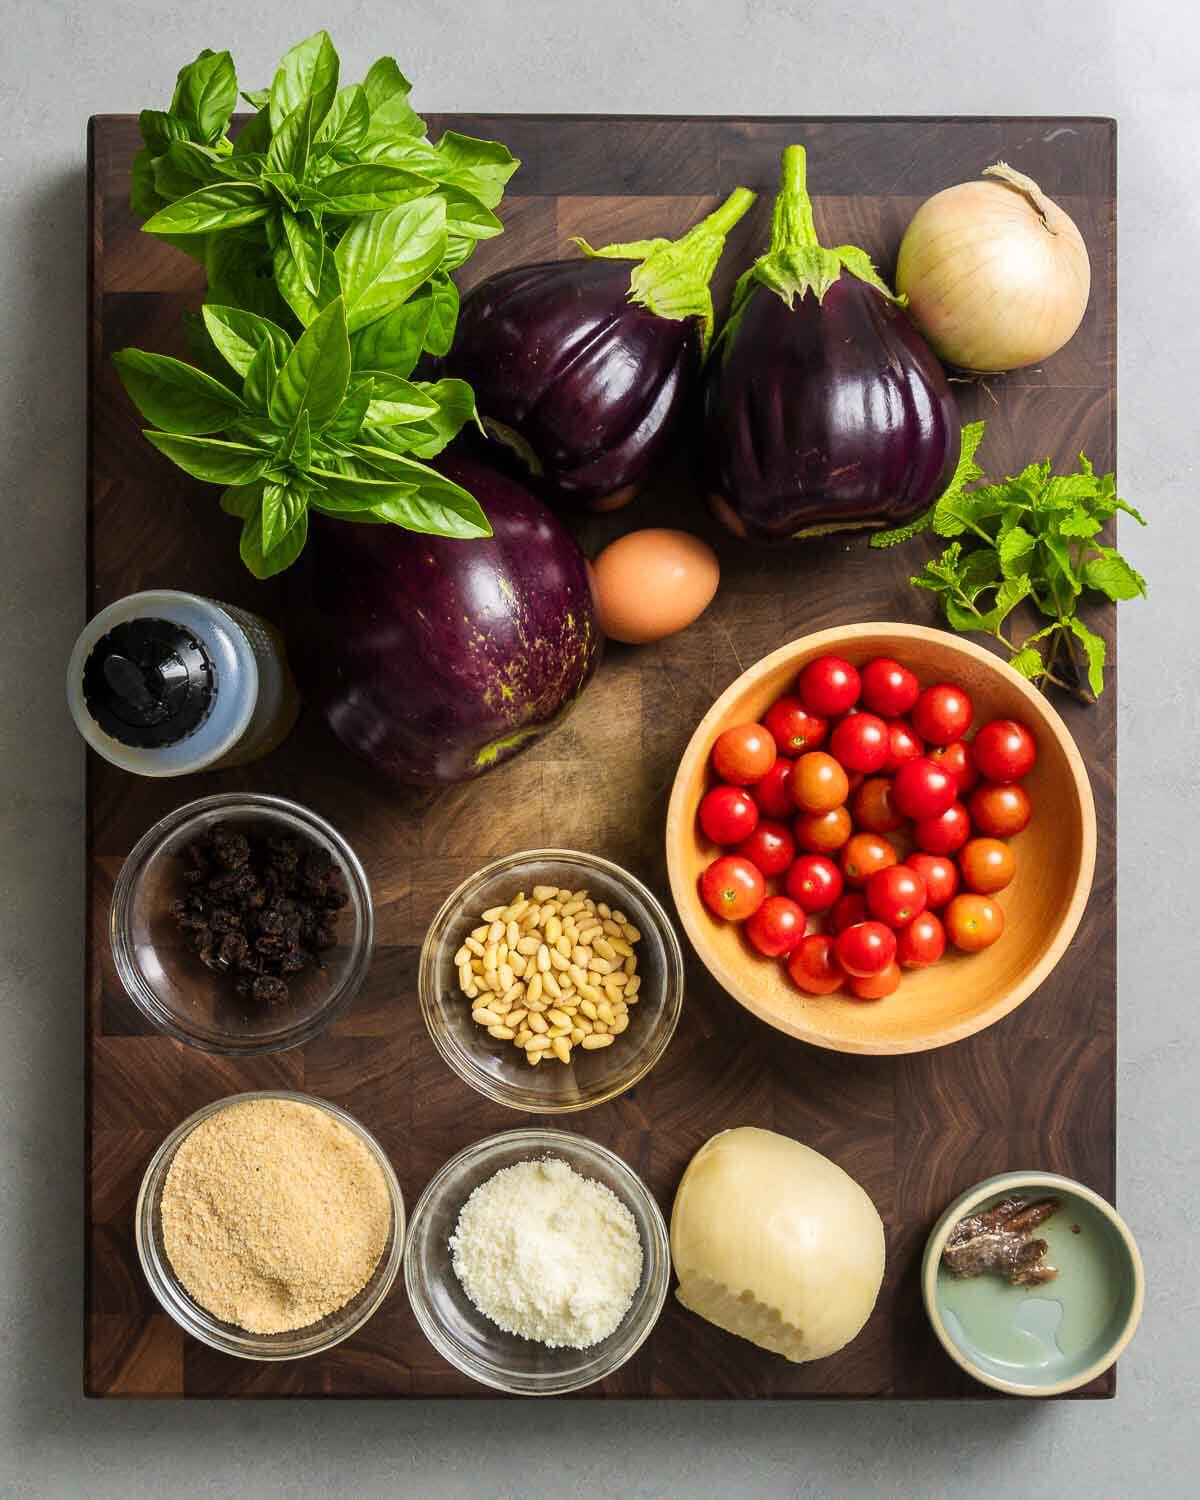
241, 924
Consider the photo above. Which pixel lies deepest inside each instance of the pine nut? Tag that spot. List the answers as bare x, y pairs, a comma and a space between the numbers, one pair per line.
543, 958
491, 957
492, 913
512, 933
485, 1016
562, 944
635, 984
538, 1044
630, 965
581, 956
538, 1023
533, 989
605, 1012
573, 904
620, 1025
600, 966
557, 1031
603, 908
630, 933
463, 956
515, 1017
557, 1018
523, 1037
551, 985
512, 994
553, 929
557, 961
517, 910
590, 992
577, 1035
619, 917
495, 931
470, 989
604, 948
544, 892
517, 964
621, 948
562, 1049
473, 945
532, 1058
502, 1033
528, 946
588, 1007
594, 1042
479, 933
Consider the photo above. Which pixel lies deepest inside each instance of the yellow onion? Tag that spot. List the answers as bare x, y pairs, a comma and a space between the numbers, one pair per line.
996, 274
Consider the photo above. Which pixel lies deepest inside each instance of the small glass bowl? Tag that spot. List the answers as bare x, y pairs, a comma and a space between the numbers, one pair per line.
169, 984
461, 1333
497, 1068
227, 1337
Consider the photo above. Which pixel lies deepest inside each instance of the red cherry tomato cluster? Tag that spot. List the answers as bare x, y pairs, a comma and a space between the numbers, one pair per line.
861, 796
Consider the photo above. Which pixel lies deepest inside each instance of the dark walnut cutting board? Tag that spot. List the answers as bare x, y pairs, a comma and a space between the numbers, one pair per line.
1037, 1090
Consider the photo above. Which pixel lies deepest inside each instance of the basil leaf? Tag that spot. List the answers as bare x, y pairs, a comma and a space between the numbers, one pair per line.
466, 215
481, 167
205, 93
438, 506
455, 408
383, 258
159, 128
183, 168
387, 92
291, 284
340, 492
308, 72
350, 414
396, 400
288, 151
260, 379
307, 245
214, 462
240, 334
444, 316
316, 374
349, 117
222, 206
459, 250
296, 450
144, 197
242, 500
176, 397
255, 136
394, 343
239, 275
372, 186
283, 554
256, 98
283, 506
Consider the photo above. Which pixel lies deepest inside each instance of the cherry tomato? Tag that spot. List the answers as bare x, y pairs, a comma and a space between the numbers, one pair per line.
793, 728
1004, 750
921, 943
939, 874
822, 833
860, 742
945, 834
743, 754
728, 814
877, 986
873, 809
903, 744
732, 888
888, 688
895, 895
923, 789
854, 779
942, 714
973, 922
866, 948
818, 783
987, 865
863, 854
776, 927
771, 847
813, 966
829, 685
774, 793
846, 911
999, 811
958, 760
814, 882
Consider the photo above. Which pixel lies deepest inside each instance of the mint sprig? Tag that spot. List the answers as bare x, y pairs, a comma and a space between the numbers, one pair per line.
1037, 539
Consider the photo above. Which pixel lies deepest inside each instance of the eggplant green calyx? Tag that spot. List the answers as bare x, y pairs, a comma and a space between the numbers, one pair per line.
797, 262
672, 279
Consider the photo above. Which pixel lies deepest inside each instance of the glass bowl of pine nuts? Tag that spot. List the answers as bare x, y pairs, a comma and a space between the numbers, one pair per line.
551, 981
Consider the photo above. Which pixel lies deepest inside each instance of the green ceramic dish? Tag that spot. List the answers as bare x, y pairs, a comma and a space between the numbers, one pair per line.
1044, 1340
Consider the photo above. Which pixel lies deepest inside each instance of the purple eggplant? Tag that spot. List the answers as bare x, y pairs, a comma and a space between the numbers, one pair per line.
825, 409
436, 659
584, 368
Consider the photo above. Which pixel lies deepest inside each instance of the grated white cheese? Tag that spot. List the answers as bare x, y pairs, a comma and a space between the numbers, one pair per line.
548, 1254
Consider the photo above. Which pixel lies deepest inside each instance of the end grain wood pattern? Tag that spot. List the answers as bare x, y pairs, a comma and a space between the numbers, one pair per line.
1036, 1090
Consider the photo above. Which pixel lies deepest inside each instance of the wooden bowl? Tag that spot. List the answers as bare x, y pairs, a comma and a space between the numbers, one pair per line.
1042, 906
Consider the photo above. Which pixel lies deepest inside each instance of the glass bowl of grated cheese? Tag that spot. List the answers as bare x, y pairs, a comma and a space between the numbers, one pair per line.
457, 1327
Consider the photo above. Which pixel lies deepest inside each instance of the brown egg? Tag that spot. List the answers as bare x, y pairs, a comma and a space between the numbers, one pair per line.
654, 583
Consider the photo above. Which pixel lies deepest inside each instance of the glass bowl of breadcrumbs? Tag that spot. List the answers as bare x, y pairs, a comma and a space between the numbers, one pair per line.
270, 1225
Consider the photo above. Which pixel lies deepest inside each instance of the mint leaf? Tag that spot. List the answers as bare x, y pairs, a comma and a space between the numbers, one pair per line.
1078, 523
898, 534
1015, 549
1028, 662
1113, 576
1095, 651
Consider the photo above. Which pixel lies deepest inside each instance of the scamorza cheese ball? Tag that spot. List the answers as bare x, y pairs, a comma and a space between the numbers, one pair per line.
775, 1243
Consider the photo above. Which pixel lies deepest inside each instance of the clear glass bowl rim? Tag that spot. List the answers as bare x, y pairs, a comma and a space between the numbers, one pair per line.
461, 1061
212, 1331
129, 972
657, 1254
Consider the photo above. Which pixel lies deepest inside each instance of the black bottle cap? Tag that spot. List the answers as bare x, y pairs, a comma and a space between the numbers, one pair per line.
149, 683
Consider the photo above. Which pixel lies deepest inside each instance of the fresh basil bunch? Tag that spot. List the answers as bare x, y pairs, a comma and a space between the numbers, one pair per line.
328, 230
262, 212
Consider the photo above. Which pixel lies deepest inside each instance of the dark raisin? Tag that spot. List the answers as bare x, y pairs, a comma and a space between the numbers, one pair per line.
270, 991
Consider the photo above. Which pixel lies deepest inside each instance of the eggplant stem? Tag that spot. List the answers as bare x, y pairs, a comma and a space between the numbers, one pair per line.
723, 218
792, 220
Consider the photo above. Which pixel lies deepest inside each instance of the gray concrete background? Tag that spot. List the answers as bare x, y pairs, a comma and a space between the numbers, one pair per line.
62, 60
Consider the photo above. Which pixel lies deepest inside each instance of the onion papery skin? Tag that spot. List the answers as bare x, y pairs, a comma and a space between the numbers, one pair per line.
994, 280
